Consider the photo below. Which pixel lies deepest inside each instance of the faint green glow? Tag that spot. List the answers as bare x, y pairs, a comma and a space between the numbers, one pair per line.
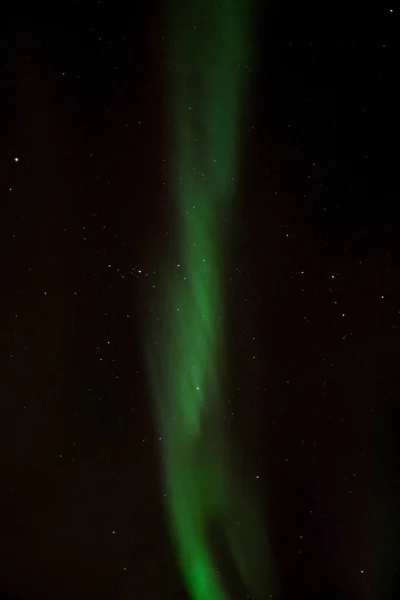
209, 51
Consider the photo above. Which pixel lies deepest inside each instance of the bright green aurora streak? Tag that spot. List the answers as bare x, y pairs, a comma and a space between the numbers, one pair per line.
205, 495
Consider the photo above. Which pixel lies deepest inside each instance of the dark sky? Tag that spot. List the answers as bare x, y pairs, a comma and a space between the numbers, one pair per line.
314, 298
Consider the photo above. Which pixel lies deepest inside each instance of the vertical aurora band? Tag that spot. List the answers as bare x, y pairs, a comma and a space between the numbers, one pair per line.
205, 495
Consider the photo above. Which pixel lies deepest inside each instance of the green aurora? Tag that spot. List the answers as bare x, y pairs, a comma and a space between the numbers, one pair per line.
206, 497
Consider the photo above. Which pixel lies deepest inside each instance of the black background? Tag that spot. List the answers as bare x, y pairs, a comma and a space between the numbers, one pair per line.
313, 288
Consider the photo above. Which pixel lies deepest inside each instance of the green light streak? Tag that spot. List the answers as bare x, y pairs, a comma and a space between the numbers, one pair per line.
209, 54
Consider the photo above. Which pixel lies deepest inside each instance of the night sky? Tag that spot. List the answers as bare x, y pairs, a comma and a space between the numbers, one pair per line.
312, 397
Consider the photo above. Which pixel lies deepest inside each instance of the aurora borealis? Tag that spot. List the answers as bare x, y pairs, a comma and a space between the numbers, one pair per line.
210, 49
199, 301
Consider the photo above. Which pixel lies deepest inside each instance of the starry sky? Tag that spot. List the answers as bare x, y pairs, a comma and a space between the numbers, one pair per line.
312, 293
